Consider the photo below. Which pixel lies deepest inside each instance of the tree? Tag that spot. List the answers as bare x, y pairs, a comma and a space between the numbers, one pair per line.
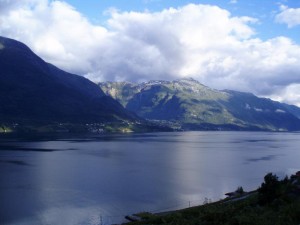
270, 189
240, 190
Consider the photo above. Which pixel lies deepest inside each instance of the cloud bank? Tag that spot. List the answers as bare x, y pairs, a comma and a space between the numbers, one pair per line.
289, 16
200, 41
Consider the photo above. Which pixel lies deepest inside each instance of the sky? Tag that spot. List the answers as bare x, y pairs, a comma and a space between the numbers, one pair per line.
251, 46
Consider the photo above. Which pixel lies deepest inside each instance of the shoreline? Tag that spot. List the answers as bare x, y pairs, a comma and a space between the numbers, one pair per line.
275, 200
138, 216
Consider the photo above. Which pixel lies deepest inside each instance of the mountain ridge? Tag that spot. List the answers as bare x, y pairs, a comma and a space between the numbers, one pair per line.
196, 106
33, 91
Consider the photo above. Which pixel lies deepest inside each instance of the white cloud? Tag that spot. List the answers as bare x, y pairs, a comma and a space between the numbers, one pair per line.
55, 31
200, 41
289, 94
289, 16
8, 5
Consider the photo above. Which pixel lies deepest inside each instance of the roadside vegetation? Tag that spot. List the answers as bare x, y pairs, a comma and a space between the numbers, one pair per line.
276, 202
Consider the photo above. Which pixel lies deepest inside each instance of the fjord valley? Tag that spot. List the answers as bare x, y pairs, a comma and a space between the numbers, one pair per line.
39, 97
149, 111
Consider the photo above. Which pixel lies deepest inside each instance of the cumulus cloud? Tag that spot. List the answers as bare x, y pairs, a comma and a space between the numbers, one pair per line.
290, 94
200, 41
289, 16
8, 5
55, 31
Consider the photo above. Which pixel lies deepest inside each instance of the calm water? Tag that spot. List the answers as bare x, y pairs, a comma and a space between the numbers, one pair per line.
99, 180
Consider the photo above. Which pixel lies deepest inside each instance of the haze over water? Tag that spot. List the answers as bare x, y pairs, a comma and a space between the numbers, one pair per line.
100, 180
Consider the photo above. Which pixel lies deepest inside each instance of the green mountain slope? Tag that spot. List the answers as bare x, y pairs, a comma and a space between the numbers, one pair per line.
195, 106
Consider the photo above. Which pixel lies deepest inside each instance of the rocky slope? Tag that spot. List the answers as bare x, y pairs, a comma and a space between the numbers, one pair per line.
195, 106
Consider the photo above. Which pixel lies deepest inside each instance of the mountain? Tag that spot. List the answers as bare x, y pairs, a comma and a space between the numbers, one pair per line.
194, 106
33, 91
293, 109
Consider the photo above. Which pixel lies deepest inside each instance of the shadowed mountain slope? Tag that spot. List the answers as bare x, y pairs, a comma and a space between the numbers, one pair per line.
33, 91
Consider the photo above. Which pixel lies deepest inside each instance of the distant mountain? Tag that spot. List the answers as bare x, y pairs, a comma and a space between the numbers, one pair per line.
35, 92
195, 106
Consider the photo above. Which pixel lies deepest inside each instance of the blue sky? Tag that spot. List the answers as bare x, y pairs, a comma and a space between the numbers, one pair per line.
243, 45
264, 10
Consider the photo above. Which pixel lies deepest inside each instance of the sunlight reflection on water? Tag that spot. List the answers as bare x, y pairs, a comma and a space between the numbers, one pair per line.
100, 179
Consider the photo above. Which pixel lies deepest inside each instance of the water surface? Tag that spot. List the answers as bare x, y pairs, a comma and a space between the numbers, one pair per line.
98, 180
